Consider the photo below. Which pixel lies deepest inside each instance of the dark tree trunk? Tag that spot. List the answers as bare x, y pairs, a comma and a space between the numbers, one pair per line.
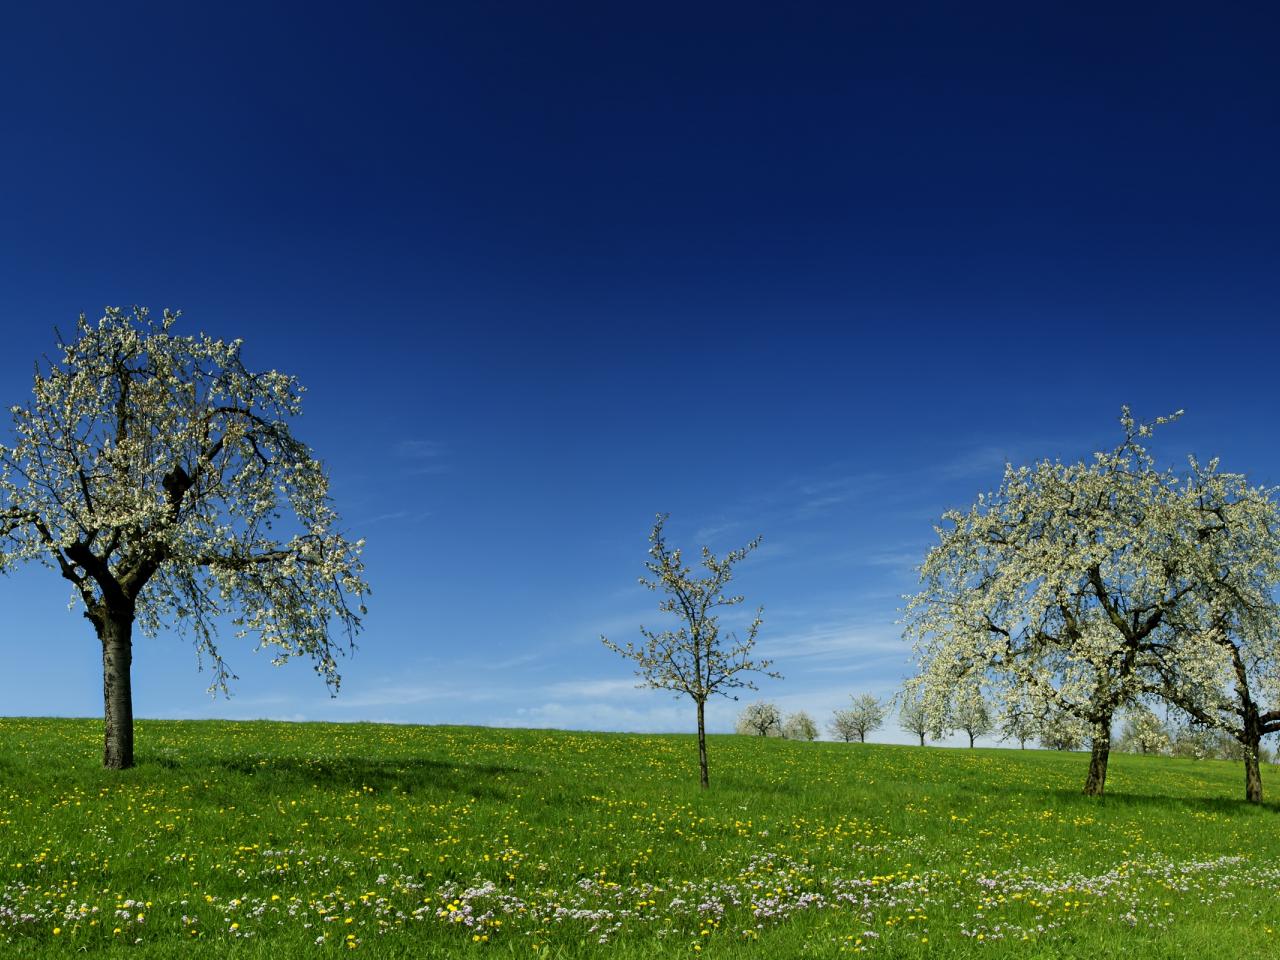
116, 634
922, 739
970, 740
703, 780
1252, 744
862, 737
1096, 782
1252, 774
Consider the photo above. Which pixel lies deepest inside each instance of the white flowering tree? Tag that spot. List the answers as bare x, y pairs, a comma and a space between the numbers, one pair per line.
841, 726
695, 659
1224, 670
919, 715
159, 477
1020, 719
865, 714
970, 712
1060, 730
1062, 584
800, 726
1144, 732
760, 719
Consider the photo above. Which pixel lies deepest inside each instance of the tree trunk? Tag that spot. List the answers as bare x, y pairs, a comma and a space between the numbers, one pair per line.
1252, 774
1096, 782
971, 741
1252, 743
703, 780
862, 737
922, 739
116, 633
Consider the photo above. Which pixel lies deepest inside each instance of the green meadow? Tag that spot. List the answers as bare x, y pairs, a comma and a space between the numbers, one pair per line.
299, 840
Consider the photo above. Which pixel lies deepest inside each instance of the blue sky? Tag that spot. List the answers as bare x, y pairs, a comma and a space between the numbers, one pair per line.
547, 270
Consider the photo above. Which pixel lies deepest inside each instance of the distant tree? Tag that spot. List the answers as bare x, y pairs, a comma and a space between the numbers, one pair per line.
694, 659
865, 715
971, 713
1061, 730
1020, 721
917, 717
159, 476
1193, 741
760, 719
843, 726
1144, 732
800, 726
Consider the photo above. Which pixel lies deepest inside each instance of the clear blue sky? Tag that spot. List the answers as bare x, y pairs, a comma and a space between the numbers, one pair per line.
806, 271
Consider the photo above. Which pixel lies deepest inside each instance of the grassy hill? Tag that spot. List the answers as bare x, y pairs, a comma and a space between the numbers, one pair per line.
280, 840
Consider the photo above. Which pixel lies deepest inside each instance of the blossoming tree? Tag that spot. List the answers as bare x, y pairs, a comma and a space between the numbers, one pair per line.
158, 475
1224, 669
760, 719
920, 715
800, 726
1060, 586
865, 714
1144, 732
970, 713
694, 659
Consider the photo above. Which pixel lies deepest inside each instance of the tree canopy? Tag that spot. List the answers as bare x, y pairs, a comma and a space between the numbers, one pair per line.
1083, 587
158, 475
695, 658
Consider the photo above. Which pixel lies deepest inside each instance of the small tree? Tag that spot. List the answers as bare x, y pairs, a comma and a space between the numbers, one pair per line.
1020, 721
971, 713
1061, 730
1144, 732
1194, 741
843, 726
156, 474
800, 726
694, 659
760, 719
918, 717
867, 713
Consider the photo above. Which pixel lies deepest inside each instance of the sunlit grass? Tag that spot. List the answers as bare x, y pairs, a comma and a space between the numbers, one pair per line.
273, 839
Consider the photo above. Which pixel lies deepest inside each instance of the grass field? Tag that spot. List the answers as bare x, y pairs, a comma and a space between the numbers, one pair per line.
282, 840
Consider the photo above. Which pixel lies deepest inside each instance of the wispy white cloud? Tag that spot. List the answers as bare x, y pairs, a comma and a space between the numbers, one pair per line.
419, 449
905, 560
423, 457
652, 715
986, 461
403, 516
835, 642
589, 688
414, 694
712, 532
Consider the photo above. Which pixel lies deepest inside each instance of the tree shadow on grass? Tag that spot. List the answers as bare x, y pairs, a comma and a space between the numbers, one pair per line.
1119, 800
406, 775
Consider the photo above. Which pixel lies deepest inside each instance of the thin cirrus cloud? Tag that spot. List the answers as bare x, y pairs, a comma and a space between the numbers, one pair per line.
406, 516
422, 457
836, 642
